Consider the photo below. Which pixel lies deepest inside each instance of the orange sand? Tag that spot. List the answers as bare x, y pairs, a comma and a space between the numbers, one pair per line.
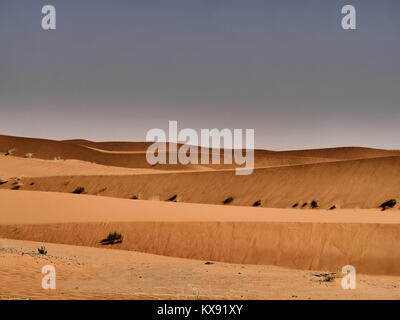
259, 240
302, 239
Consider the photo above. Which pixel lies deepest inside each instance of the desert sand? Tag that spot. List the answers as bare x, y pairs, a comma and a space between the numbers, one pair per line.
95, 273
280, 244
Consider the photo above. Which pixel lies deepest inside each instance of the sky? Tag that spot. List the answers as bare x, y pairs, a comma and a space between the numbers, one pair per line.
112, 70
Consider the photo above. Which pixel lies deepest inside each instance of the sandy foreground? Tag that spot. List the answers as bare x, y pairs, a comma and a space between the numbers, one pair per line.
93, 273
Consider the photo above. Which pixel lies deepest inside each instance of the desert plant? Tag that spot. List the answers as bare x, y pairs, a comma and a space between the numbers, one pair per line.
228, 200
295, 205
314, 204
42, 250
79, 190
304, 204
173, 198
388, 204
328, 276
10, 152
112, 238
257, 203
16, 187
333, 207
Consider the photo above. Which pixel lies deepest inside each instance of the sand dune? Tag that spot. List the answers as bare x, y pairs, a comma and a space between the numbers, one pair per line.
334, 177
295, 239
132, 155
199, 227
23, 167
50, 149
365, 183
344, 153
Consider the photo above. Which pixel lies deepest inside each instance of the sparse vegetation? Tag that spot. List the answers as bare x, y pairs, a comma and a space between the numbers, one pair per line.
173, 198
304, 204
314, 204
257, 203
42, 250
228, 200
295, 205
388, 204
16, 187
10, 152
79, 190
328, 276
333, 207
112, 238
32, 183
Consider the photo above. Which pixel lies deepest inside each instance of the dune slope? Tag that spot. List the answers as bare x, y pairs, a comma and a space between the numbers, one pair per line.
365, 183
308, 240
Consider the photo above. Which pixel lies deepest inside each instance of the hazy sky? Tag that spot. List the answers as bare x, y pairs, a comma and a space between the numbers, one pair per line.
114, 69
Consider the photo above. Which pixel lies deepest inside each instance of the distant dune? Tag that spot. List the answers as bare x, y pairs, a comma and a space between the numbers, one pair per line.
337, 177
365, 183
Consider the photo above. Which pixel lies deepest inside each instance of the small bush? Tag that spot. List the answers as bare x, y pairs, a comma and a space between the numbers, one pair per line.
333, 207
328, 277
295, 205
112, 238
314, 204
257, 203
304, 204
79, 190
16, 187
228, 200
10, 152
388, 204
173, 198
42, 250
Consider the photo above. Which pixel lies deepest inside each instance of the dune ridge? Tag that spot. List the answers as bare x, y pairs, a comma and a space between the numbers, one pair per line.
305, 240
132, 154
364, 183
